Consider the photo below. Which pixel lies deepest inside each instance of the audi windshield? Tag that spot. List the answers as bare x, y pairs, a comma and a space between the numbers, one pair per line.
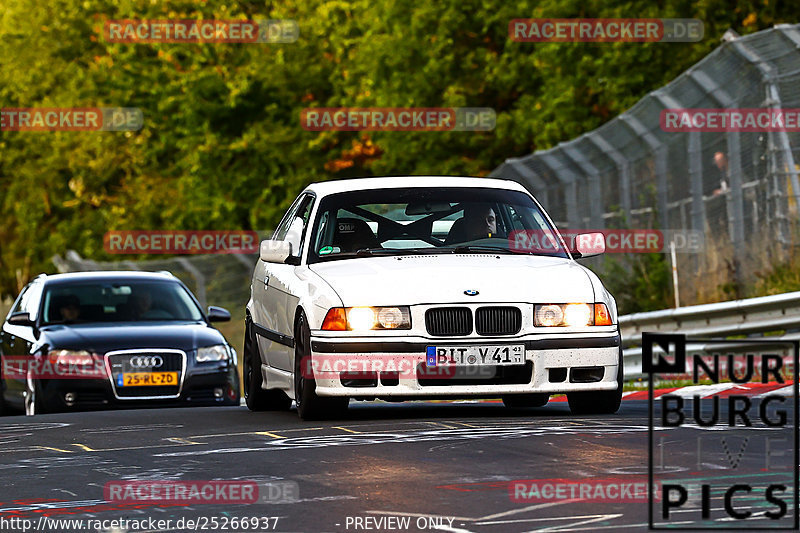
119, 302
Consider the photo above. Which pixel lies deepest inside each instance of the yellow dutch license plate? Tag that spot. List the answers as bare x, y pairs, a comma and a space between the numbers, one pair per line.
145, 379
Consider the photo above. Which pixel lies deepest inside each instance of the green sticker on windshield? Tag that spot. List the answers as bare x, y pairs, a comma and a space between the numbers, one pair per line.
325, 250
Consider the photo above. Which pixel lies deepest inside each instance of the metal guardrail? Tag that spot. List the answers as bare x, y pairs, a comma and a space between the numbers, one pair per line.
778, 316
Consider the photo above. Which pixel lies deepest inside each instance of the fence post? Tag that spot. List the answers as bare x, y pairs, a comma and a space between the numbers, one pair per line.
774, 101
695, 157
778, 141
567, 177
596, 200
660, 155
624, 171
735, 198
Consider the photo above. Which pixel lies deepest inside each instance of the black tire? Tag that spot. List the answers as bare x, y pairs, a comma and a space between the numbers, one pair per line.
4, 409
309, 405
34, 399
598, 402
518, 401
256, 397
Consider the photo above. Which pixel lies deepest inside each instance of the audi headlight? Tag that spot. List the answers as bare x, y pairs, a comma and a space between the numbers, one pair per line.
70, 357
367, 318
573, 314
212, 353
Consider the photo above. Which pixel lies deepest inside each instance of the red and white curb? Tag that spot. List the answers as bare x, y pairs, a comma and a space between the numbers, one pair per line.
723, 390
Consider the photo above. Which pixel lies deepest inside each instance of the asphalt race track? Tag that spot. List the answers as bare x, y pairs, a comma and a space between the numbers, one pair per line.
439, 466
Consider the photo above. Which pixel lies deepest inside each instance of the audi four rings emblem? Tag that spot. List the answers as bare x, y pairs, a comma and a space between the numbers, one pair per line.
146, 361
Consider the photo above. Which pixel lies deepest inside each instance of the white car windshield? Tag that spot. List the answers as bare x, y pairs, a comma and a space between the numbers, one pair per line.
430, 220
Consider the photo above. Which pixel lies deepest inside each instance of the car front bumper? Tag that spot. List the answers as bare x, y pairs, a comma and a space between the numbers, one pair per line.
552, 365
199, 388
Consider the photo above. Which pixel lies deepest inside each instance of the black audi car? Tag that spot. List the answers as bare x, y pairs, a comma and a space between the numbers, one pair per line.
109, 339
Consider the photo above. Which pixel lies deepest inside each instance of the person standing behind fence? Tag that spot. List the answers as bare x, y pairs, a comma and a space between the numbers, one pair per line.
721, 162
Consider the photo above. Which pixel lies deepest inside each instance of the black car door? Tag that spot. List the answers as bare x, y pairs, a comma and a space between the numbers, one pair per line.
17, 342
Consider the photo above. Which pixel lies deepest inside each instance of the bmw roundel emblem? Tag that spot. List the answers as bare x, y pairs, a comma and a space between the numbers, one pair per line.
471, 292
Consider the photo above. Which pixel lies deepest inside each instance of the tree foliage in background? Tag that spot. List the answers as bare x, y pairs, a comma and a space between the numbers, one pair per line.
222, 146
639, 282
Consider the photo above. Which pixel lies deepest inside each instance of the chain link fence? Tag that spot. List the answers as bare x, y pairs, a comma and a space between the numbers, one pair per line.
739, 188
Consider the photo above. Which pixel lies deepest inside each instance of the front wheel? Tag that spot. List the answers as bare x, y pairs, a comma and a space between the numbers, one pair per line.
34, 401
309, 405
600, 402
255, 396
4, 409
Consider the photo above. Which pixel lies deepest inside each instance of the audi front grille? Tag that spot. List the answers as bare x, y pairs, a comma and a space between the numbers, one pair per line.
146, 361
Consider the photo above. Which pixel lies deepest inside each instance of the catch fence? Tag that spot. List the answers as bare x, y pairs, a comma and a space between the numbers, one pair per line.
738, 188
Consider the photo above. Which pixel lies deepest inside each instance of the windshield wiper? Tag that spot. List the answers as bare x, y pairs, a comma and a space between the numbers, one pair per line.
482, 249
397, 251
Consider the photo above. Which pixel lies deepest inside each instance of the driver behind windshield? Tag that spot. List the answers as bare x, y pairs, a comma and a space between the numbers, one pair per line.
142, 302
69, 307
479, 222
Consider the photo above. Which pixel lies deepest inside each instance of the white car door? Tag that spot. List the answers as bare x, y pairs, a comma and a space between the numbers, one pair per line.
276, 289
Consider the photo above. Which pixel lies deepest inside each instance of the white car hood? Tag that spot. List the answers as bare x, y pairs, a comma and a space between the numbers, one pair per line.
434, 279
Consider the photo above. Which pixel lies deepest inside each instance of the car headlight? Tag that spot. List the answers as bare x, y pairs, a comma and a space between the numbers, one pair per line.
548, 315
367, 318
361, 318
71, 357
573, 314
212, 353
578, 315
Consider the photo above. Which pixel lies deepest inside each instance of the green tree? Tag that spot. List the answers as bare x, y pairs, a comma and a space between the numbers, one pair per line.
222, 145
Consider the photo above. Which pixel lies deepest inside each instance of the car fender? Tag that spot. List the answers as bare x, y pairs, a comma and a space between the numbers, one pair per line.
316, 298
253, 278
601, 294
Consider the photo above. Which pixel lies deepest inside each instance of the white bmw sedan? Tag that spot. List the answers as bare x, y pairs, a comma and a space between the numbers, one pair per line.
408, 288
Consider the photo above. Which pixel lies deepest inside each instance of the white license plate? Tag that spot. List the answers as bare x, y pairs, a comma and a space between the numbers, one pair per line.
485, 355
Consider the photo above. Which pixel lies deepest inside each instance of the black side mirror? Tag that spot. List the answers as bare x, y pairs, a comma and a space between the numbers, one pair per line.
218, 314
21, 319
